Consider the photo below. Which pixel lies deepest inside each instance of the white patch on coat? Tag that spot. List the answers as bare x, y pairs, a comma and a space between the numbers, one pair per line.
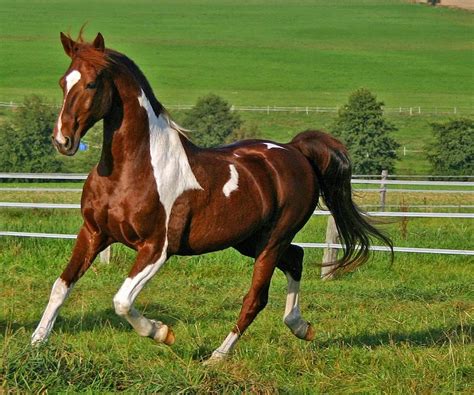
173, 175
271, 145
59, 293
233, 183
171, 168
292, 316
128, 292
71, 79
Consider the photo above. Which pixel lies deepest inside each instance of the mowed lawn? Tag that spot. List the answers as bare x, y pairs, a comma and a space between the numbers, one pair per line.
253, 53
400, 328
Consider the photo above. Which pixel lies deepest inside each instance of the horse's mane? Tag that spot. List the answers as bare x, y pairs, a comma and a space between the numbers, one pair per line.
109, 59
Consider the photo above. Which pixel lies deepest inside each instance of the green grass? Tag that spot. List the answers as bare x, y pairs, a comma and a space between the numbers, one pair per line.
253, 53
401, 328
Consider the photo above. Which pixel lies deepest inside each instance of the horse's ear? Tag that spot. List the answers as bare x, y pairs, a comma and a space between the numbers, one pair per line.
99, 43
68, 45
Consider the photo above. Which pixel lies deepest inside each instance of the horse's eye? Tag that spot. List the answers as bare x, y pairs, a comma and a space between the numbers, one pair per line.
91, 85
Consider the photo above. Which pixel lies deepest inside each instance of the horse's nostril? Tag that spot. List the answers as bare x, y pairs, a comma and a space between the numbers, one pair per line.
68, 143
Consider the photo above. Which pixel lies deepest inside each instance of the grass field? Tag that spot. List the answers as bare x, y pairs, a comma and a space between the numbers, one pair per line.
307, 53
254, 53
401, 328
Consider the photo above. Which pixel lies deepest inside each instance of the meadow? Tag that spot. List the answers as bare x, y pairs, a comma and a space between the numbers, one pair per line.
398, 328
307, 53
404, 327
304, 52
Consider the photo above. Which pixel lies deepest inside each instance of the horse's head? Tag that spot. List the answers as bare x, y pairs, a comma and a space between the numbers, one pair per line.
87, 92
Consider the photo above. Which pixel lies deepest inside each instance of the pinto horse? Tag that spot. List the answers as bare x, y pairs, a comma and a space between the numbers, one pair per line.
159, 194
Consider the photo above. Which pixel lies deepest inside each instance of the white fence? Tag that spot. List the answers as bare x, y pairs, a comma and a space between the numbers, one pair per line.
402, 110
330, 245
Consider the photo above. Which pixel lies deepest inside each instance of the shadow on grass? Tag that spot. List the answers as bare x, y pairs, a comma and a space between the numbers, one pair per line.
431, 337
98, 320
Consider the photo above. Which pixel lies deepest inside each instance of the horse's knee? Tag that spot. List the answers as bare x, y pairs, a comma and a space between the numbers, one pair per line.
122, 307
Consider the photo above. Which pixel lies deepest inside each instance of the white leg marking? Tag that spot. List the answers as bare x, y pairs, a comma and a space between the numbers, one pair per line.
233, 183
59, 293
225, 349
292, 317
71, 79
128, 292
271, 145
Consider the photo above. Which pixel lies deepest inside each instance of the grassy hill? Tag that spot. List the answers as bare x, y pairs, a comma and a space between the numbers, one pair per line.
306, 53
253, 53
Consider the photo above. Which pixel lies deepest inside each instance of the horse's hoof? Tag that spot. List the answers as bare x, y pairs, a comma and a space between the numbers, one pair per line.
310, 333
162, 333
216, 358
170, 337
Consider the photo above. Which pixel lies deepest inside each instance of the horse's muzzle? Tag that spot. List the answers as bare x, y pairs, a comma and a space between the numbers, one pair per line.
67, 148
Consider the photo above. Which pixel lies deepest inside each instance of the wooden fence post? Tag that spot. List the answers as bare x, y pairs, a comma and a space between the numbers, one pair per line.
105, 255
383, 189
330, 254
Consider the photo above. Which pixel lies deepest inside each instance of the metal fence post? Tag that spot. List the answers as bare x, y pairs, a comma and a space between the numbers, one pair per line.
105, 255
330, 254
383, 189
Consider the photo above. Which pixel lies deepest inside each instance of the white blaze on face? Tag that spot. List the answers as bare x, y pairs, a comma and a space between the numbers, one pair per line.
233, 183
71, 79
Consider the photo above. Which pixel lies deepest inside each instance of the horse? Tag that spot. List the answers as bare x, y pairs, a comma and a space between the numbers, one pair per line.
156, 192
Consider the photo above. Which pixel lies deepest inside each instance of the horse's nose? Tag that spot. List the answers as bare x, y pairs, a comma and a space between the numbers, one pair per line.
68, 144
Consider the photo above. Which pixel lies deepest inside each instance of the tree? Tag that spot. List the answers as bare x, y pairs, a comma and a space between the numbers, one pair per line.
211, 121
361, 125
452, 152
248, 131
25, 139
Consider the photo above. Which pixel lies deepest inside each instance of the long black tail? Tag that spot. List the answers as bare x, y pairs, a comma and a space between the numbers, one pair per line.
330, 161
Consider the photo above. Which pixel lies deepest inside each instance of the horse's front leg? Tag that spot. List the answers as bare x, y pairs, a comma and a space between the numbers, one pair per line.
88, 245
149, 260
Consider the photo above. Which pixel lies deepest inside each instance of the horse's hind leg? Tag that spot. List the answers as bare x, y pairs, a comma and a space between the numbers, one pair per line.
255, 300
146, 265
291, 263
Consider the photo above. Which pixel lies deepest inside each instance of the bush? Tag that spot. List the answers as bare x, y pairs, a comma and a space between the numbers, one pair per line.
362, 126
211, 121
25, 139
452, 152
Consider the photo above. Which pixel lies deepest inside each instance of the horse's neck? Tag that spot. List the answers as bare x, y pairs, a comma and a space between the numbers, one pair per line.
142, 132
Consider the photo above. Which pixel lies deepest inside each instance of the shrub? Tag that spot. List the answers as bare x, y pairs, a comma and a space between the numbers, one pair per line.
25, 139
361, 125
452, 152
211, 121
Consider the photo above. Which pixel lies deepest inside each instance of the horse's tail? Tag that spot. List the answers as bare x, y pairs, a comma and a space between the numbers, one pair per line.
330, 161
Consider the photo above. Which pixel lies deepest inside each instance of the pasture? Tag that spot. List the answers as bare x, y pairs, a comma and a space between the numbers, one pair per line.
258, 53
398, 328
405, 327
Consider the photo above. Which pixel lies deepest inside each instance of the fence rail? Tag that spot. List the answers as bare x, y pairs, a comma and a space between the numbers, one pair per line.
398, 214
331, 245
402, 110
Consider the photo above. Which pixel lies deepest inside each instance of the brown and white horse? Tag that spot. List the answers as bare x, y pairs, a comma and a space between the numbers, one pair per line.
158, 193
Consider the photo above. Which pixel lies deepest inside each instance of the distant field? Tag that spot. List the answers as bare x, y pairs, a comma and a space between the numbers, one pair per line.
253, 53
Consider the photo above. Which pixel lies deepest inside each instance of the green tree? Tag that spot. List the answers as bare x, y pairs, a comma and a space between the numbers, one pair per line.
25, 139
361, 125
211, 121
452, 152
248, 131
